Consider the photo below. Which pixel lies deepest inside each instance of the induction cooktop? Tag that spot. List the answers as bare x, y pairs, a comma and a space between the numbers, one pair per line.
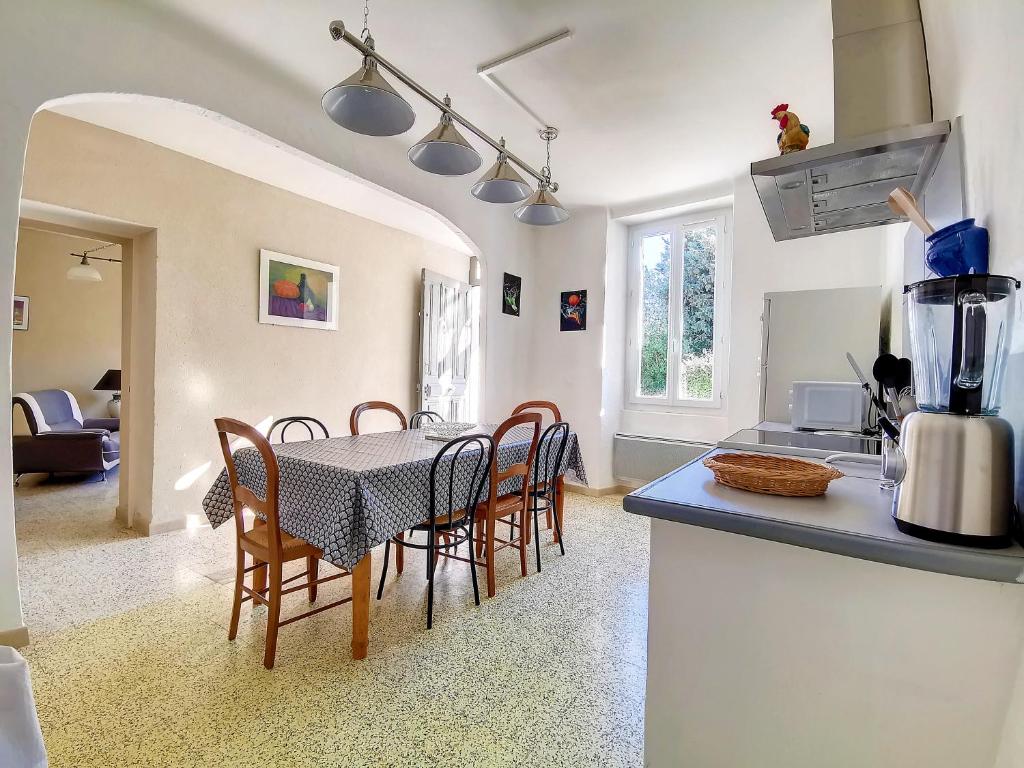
812, 444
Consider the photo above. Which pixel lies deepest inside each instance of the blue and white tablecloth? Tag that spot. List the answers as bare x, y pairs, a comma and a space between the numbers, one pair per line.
346, 495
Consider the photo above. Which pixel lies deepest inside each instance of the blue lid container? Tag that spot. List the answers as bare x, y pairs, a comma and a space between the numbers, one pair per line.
959, 249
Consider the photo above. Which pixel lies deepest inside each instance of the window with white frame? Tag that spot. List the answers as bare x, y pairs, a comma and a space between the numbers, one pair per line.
677, 348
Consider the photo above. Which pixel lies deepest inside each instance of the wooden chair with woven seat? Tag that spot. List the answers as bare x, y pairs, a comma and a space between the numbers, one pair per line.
374, 405
513, 506
450, 515
538, 405
353, 425
268, 546
532, 406
308, 422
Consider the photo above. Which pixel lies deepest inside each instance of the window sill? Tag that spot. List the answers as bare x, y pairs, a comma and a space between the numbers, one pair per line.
717, 410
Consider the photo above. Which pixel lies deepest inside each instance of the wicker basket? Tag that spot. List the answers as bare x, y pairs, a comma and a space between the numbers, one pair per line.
775, 475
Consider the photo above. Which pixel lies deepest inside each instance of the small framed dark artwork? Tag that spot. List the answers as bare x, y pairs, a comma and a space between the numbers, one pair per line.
573, 314
511, 294
20, 313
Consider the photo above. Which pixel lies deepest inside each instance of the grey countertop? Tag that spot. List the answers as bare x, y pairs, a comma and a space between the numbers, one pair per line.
853, 519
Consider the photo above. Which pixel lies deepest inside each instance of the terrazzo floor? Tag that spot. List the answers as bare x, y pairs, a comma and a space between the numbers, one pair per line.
131, 664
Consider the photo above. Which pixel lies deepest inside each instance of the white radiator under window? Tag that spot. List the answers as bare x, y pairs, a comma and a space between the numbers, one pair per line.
640, 459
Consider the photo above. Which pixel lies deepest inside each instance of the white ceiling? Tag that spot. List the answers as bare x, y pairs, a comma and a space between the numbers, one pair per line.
652, 97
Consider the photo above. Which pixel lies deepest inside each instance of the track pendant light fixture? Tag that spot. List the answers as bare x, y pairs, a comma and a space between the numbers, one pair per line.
366, 103
543, 208
501, 184
444, 150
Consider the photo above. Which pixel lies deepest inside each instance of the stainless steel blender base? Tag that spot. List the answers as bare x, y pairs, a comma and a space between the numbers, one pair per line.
958, 483
960, 539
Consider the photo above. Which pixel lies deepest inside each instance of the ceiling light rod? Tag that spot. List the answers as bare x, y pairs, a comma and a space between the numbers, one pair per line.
338, 32
85, 254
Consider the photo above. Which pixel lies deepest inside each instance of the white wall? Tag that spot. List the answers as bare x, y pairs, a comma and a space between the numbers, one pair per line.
66, 47
976, 61
566, 366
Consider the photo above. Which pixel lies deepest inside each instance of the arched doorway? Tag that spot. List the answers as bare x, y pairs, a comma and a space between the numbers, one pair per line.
191, 277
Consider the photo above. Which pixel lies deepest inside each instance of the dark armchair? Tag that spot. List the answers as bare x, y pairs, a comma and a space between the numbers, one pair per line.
62, 440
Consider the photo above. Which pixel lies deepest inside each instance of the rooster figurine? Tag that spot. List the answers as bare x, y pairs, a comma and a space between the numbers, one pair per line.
794, 135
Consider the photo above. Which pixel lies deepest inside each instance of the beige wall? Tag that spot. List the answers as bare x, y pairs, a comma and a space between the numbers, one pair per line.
213, 358
74, 332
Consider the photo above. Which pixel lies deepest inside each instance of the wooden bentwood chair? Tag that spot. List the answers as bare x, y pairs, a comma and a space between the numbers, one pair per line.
544, 493
419, 418
269, 546
451, 516
374, 405
304, 421
514, 506
559, 490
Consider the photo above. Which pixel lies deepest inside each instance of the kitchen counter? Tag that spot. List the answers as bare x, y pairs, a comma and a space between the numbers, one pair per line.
803, 632
852, 519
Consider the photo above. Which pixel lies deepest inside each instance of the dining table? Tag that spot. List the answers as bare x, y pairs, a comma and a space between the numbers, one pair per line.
346, 495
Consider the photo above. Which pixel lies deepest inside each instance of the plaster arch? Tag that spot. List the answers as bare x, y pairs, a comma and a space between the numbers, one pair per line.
303, 175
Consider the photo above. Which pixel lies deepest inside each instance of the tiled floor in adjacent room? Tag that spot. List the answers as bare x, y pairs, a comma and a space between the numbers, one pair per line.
132, 667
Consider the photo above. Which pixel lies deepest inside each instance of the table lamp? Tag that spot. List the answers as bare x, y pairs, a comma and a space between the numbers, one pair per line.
111, 382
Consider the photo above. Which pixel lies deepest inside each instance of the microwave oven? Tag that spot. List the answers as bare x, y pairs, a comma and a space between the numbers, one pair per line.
837, 405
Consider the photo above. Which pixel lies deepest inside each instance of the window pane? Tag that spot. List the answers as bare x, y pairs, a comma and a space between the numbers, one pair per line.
656, 262
697, 350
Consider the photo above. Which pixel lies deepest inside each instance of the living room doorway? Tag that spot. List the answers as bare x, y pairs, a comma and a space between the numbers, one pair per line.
68, 342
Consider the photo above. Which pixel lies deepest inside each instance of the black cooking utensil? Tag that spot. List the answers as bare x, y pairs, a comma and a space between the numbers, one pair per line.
886, 371
905, 374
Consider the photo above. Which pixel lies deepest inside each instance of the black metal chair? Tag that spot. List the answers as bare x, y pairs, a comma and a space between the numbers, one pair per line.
546, 468
287, 421
419, 418
455, 522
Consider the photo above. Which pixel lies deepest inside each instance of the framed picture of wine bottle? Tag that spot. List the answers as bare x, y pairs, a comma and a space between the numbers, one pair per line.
298, 292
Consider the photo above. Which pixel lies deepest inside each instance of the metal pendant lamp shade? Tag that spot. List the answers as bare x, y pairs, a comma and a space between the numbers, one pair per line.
366, 103
444, 150
85, 272
501, 184
542, 209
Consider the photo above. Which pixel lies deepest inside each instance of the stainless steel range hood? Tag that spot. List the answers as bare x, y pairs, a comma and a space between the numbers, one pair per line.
883, 135
846, 185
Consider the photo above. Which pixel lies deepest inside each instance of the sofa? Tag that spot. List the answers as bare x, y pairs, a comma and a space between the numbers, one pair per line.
62, 440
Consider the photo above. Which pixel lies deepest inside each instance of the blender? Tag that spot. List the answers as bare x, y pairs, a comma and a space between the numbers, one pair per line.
954, 466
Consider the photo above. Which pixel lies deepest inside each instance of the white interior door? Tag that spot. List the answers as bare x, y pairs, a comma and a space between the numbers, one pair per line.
447, 319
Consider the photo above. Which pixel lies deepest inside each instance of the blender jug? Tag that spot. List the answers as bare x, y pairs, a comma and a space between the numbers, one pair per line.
960, 334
